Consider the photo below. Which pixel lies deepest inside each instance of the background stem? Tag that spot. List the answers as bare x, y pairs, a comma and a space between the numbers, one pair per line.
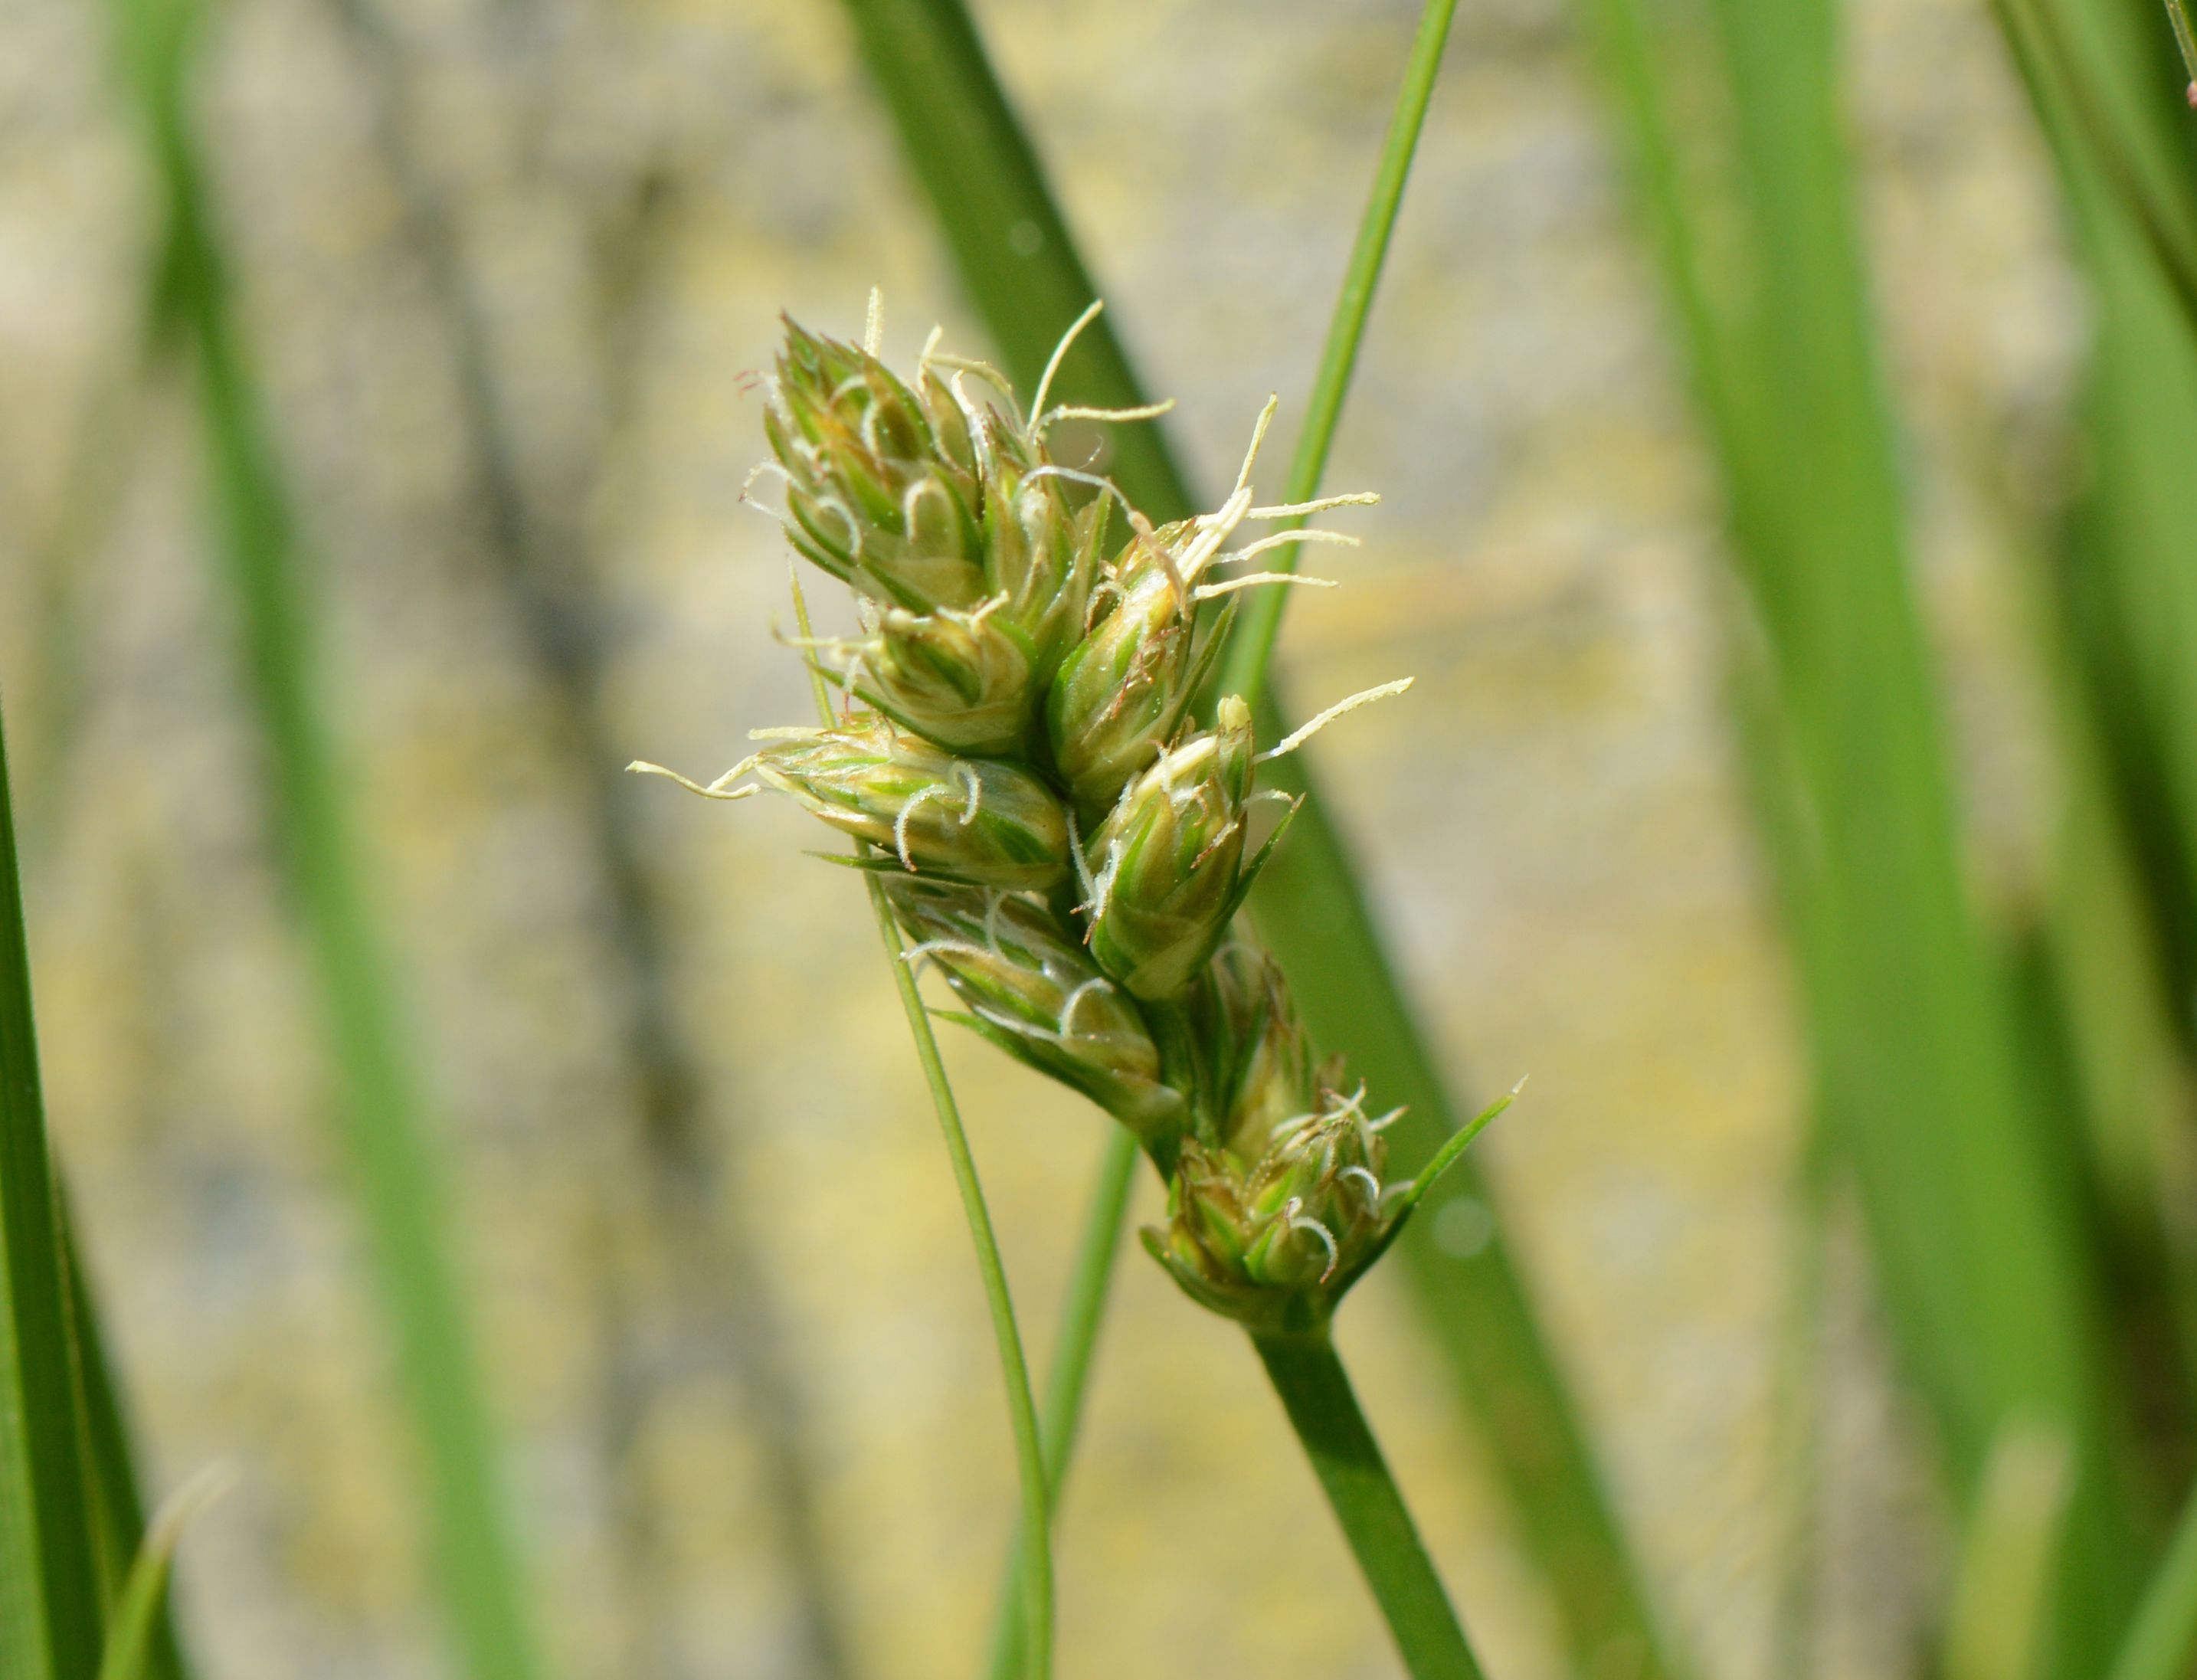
1036, 1533
1068, 1381
1022, 1410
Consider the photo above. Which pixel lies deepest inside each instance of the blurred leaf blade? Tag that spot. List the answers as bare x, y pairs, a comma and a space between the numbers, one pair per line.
117, 1502
2128, 594
2107, 87
1989, 1287
380, 1109
50, 1597
2185, 36
1011, 243
1090, 1276
968, 150
2162, 1641
695, 1141
2000, 1625
1250, 651
2086, 68
139, 1613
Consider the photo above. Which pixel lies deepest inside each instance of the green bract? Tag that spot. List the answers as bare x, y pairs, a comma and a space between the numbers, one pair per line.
1038, 997
965, 818
1167, 862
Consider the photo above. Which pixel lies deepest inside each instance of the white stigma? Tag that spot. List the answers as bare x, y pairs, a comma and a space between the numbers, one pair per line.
1364, 698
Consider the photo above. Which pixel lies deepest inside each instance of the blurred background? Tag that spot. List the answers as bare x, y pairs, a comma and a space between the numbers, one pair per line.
503, 274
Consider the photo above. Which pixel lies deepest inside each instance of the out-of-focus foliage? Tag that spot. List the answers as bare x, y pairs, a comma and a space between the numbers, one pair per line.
503, 272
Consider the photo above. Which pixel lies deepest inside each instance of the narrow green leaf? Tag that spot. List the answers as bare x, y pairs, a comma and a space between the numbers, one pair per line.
2162, 1642
2001, 1624
1251, 644
133, 1631
1452, 1151
1035, 1534
1988, 1286
381, 1111
2068, 59
2185, 38
1066, 1383
2128, 596
1017, 260
50, 1599
2123, 599
1312, 913
1020, 266
118, 1506
729, 1312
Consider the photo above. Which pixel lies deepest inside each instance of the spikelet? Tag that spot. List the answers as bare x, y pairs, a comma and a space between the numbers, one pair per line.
1055, 837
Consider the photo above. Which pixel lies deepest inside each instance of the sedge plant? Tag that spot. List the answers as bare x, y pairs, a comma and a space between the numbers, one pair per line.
1016, 749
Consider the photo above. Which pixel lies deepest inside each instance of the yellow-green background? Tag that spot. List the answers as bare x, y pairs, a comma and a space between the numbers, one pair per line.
1549, 821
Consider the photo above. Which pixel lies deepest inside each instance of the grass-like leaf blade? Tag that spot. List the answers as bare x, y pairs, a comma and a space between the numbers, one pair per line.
1988, 1286
50, 1596
133, 1632
2162, 1641
117, 1506
381, 1109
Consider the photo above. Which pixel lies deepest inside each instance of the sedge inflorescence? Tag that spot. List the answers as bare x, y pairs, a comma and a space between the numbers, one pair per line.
1018, 750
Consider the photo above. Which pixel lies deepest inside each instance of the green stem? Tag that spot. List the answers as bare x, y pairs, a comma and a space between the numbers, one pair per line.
963, 140
1251, 645
1035, 1534
1068, 1380
2177, 14
1316, 1393
2162, 1642
1022, 1410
